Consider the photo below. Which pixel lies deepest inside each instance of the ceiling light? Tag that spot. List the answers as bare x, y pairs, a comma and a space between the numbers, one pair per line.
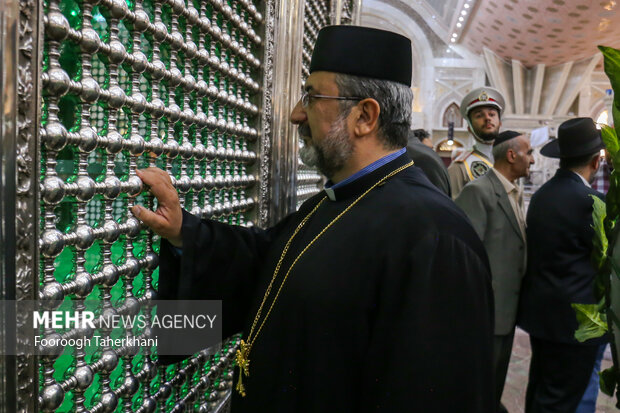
461, 19
450, 142
453, 40
454, 35
464, 12
458, 25
466, 6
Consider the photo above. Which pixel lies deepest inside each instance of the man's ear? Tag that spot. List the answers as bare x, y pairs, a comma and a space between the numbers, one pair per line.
511, 155
596, 162
367, 117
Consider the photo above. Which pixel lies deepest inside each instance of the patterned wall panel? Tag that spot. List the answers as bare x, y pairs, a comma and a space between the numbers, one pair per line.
128, 84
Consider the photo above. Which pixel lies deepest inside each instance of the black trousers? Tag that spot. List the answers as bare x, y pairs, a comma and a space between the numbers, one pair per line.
502, 349
559, 375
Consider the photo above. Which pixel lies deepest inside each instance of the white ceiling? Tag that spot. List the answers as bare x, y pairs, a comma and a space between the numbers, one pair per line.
541, 31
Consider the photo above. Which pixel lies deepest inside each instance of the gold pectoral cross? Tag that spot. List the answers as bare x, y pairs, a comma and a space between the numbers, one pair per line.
243, 362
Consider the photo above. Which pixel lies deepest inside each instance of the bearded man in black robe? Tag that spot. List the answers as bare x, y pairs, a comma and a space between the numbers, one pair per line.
376, 294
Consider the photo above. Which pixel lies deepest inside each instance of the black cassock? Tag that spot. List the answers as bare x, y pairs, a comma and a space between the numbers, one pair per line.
390, 310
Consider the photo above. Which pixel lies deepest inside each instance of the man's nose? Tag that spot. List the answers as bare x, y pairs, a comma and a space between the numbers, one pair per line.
298, 114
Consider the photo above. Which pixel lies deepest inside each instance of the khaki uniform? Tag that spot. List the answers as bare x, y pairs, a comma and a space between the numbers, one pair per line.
466, 167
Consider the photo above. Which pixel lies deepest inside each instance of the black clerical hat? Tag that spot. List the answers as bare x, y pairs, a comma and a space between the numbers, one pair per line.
362, 51
576, 137
506, 136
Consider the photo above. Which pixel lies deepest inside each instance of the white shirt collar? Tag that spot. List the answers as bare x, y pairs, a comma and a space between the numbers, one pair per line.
585, 182
485, 148
508, 186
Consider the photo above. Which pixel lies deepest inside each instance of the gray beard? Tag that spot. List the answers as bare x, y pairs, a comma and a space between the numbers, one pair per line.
309, 155
332, 153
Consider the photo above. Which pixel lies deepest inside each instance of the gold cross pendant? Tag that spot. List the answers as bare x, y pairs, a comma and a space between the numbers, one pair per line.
244, 366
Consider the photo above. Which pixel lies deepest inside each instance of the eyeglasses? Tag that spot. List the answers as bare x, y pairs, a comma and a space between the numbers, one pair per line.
306, 96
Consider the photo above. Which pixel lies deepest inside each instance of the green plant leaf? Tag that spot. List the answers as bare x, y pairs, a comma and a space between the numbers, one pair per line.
592, 323
600, 246
615, 109
610, 139
611, 57
612, 64
608, 380
599, 250
613, 195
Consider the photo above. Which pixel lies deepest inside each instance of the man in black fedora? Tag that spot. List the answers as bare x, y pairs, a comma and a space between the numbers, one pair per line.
559, 271
376, 294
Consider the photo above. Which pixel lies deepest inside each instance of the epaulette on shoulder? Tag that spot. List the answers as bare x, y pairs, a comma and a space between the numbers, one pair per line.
464, 155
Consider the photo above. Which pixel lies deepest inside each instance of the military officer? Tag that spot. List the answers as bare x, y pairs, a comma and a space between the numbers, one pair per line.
482, 109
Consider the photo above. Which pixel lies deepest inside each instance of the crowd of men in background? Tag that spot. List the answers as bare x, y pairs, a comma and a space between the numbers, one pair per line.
540, 264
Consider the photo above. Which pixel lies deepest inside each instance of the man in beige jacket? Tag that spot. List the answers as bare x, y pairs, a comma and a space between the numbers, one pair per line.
494, 205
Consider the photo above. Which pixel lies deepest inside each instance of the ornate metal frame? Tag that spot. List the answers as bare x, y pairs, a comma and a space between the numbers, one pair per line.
21, 45
264, 190
8, 119
283, 89
19, 68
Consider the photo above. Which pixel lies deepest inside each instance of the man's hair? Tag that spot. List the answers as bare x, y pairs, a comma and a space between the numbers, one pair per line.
499, 113
500, 150
394, 102
577, 162
421, 134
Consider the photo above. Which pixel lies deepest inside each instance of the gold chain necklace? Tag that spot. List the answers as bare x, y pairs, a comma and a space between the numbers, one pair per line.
243, 353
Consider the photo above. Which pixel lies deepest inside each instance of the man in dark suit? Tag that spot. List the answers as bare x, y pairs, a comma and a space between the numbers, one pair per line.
424, 137
425, 158
494, 204
559, 238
